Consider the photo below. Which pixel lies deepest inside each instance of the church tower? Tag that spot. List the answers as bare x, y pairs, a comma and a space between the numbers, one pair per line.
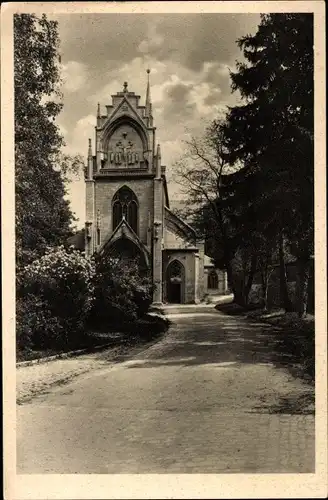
125, 184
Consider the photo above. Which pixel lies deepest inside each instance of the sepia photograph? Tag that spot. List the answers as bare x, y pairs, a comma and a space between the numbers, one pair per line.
165, 243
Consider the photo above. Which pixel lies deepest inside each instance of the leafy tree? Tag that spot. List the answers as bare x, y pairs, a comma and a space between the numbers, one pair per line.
199, 172
243, 194
271, 134
43, 216
203, 173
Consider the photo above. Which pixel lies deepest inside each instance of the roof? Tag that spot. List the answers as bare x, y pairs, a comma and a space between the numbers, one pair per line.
124, 230
186, 228
208, 261
178, 204
77, 240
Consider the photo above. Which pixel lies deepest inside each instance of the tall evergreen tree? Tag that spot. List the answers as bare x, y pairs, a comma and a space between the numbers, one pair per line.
271, 133
43, 216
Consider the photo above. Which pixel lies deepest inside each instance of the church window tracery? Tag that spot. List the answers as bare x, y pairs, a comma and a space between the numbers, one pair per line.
175, 270
125, 205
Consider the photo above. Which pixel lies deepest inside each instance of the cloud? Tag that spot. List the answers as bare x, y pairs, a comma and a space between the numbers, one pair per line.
152, 43
103, 41
77, 139
135, 74
195, 39
190, 56
74, 76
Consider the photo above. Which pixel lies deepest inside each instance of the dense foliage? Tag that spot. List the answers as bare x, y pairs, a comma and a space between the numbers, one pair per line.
59, 296
253, 172
123, 292
63, 295
55, 294
271, 134
43, 216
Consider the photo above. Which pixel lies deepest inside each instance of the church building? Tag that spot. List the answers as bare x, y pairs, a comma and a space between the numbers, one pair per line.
128, 208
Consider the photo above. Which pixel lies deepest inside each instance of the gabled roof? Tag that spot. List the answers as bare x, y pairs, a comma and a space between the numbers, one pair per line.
181, 224
124, 230
77, 240
113, 116
167, 201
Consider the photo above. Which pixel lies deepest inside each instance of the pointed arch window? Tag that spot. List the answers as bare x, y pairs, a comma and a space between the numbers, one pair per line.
132, 215
125, 204
175, 270
117, 214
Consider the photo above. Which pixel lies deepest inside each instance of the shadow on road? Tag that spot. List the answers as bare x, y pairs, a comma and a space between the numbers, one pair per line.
233, 341
295, 404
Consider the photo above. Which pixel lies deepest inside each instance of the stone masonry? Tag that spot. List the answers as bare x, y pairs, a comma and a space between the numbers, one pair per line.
126, 171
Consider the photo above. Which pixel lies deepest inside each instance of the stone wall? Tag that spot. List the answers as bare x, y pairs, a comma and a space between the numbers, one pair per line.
222, 287
187, 259
104, 193
174, 241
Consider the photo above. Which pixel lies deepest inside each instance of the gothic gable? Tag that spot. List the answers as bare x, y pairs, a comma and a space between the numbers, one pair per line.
124, 109
124, 231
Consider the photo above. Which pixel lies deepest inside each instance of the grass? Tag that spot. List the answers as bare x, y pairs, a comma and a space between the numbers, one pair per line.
297, 341
141, 331
233, 309
94, 339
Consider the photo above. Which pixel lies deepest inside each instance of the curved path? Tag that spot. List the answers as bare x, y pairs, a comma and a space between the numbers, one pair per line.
213, 396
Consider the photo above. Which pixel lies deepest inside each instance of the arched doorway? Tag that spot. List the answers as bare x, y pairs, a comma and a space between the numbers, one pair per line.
175, 282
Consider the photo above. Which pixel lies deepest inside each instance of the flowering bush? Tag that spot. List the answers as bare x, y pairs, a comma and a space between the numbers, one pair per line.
122, 291
62, 293
62, 280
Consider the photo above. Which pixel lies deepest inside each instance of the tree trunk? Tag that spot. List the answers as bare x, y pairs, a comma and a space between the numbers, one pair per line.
284, 297
265, 286
228, 267
266, 296
229, 273
235, 287
250, 279
303, 272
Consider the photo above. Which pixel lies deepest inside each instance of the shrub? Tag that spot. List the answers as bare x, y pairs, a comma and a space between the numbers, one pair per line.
149, 327
57, 293
143, 296
123, 292
36, 327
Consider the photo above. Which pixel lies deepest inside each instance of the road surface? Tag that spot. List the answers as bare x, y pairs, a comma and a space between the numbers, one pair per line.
211, 397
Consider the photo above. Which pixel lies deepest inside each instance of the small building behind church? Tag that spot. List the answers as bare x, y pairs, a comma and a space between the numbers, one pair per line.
128, 210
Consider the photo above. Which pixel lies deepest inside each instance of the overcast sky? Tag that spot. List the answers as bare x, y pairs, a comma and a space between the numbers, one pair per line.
189, 56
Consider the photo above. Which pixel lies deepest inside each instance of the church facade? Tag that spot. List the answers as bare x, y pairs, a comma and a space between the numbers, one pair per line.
128, 209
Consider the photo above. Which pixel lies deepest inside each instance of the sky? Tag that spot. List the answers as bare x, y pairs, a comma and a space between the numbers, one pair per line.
189, 56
